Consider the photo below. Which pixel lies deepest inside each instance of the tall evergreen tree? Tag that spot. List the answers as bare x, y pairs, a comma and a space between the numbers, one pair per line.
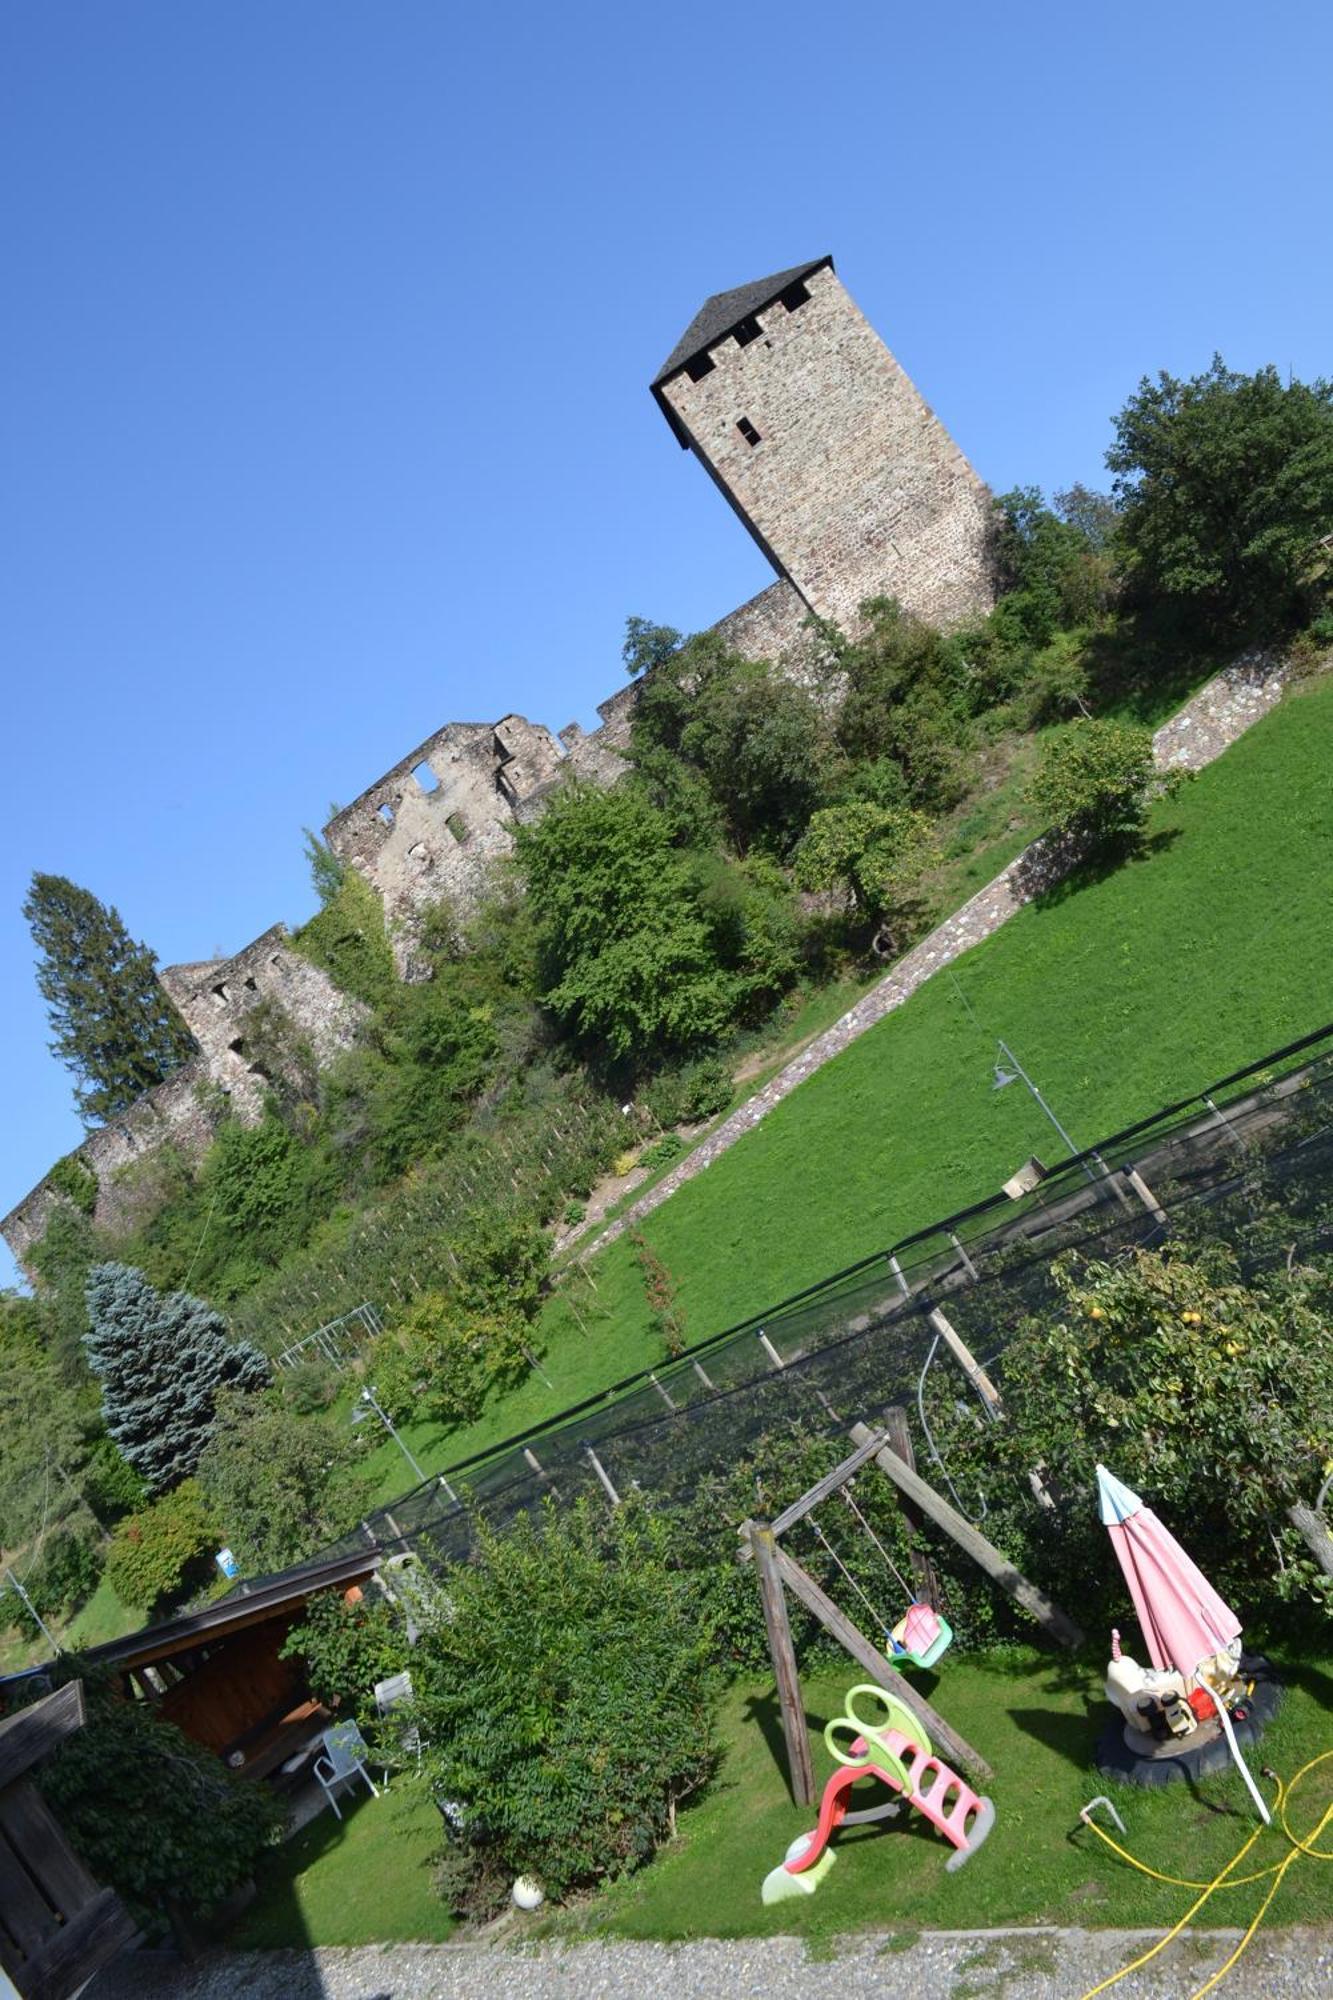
161, 1361
114, 1027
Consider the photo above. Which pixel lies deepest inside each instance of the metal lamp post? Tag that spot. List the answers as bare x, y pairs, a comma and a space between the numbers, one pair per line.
1016, 1073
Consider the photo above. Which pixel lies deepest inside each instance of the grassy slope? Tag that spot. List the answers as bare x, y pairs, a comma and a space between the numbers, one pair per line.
361, 1880
1128, 993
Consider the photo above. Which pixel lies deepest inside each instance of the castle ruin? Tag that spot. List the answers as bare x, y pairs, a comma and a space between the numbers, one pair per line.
852, 488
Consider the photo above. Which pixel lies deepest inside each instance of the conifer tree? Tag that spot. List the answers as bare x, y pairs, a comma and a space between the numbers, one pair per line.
161, 1361
114, 1027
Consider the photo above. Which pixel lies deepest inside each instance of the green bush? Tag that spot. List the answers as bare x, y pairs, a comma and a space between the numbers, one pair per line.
1093, 781
662, 1151
347, 1648
75, 1179
154, 1816
566, 1705
444, 1359
282, 1488
1210, 1397
152, 1553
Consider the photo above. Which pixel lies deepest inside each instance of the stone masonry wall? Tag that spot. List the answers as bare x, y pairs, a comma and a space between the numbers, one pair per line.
854, 488
215, 998
184, 1112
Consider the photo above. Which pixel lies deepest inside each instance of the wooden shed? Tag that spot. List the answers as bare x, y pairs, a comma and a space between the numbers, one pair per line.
219, 1675
57, 1927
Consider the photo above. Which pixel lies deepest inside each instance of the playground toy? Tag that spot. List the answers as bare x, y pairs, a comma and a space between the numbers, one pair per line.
897, 1751
921, 1636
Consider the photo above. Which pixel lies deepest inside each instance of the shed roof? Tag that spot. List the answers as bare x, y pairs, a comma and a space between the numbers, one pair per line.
720, 315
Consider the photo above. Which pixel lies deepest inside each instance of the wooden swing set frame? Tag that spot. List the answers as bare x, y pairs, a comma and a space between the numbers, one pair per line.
889, 1449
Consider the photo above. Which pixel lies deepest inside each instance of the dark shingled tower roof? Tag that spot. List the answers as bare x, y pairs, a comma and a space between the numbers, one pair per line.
719, 316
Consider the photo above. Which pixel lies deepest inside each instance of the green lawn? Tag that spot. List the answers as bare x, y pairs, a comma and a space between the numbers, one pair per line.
1119, 996
1033, 1716
361, 1880
1035, 1719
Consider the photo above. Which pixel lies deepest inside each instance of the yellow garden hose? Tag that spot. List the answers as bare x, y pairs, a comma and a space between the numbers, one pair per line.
1226, 1879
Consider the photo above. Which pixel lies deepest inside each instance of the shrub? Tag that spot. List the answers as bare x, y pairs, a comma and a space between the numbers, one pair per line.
347, 1648
502, 1263
154, 1816
689, 1095
152, 1553
663, 1151
311, 1385
75, 1179
566, 1705
870, 852
1092, 782
282, 1488
1211, 1398
442, 1359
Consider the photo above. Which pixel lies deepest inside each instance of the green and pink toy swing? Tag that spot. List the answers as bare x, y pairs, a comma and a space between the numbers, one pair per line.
921, 1636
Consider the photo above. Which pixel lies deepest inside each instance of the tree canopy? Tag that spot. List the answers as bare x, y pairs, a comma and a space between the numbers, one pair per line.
1225, 483
113, 1026
161, 1362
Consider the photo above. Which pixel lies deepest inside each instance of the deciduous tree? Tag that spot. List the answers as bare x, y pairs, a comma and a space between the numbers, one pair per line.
1226, 486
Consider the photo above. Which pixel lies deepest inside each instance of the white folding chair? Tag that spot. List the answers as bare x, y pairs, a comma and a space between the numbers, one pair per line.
341, 1759
395, 1693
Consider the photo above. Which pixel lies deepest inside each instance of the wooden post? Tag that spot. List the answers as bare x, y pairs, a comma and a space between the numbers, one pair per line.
923, 1569
1146, 1196
966, 1359
974, 1543
800, 1770
854, 1641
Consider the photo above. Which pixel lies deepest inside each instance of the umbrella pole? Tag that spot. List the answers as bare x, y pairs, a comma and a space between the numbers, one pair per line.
1237, 1759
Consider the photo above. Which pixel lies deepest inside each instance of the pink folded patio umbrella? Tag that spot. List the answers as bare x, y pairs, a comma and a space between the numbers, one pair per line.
1183, 1619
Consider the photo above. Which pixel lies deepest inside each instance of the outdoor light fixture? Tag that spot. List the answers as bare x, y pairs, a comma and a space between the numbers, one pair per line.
1011, 1070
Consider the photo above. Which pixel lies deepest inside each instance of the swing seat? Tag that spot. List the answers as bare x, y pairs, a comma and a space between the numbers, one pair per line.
920, 1637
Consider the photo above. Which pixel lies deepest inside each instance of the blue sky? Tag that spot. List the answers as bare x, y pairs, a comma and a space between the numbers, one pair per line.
328, 331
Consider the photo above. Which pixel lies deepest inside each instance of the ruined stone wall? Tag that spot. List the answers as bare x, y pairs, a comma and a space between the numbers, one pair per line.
853, 488
214, 998
428, 830
184, 1112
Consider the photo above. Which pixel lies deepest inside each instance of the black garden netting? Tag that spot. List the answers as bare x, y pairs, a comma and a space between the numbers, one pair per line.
1248, 1162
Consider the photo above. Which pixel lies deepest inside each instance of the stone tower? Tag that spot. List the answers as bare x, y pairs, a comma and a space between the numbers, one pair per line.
846, 479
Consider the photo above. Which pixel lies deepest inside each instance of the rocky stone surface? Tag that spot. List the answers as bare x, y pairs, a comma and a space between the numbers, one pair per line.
1037, 1964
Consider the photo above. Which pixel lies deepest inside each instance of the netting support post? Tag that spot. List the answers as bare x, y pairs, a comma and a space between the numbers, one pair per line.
665, 1394
698, 1368
800, 1771
1146, 1195
448, 1489
607, 1487
966, 1360
770, 1350
968, 1265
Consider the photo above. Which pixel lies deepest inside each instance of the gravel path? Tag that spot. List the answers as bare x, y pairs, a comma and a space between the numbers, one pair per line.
942, 1965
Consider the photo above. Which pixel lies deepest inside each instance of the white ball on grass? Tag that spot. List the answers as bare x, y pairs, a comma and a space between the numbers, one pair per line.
527, 1894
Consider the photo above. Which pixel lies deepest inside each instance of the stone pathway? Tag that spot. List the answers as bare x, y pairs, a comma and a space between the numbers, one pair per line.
1045, 1964
1207, 725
